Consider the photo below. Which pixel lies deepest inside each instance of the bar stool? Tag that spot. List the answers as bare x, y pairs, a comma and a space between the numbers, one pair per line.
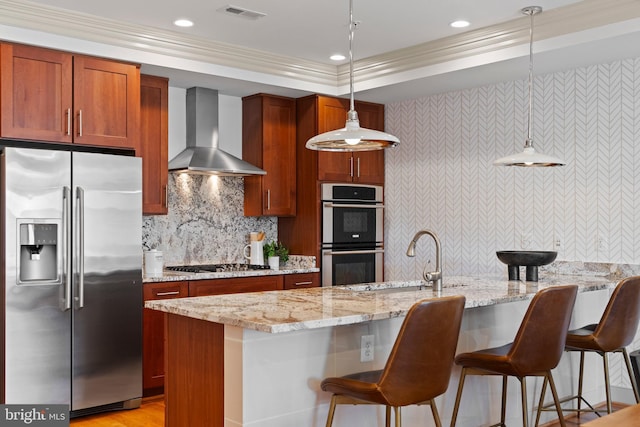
535, 351
418, 368
615, 331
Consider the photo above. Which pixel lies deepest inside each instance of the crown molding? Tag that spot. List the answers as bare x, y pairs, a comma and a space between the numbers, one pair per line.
82, 26
578, 17
559, 22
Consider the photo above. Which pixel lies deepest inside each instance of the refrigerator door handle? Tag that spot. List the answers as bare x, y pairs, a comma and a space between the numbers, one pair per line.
66, 258
80, 244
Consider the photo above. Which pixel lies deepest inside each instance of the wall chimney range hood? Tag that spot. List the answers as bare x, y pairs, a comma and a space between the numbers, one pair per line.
202, 155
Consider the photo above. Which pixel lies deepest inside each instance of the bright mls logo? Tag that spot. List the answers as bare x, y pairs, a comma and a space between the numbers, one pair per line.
34, 415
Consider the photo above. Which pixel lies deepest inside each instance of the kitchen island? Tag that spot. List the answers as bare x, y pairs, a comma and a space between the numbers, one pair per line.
257, 359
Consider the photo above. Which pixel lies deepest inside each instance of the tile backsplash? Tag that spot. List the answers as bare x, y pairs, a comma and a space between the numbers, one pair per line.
205, 223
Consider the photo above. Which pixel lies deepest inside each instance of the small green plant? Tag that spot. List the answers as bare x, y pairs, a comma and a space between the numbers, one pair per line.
276, 249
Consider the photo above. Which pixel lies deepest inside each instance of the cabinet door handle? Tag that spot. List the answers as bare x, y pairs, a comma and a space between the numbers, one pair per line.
79, 122
166, 196
68, 121
164, 294
268, 200
358, 167
351, 167
302, 283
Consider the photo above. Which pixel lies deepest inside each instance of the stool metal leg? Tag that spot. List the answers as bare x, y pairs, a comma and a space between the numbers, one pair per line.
434, 411
634, 384
552, 385
503, 408
580, 377
398, 416
387, 416
523, 392
607, 384
456, 406
332, 409
541, 402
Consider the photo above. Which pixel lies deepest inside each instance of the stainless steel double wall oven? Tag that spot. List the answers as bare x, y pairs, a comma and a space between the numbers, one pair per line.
352, 234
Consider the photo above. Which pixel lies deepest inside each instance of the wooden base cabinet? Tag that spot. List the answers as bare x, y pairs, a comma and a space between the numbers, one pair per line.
48, 95
302, 280
200, 288
154, 143
153, 353
153, 334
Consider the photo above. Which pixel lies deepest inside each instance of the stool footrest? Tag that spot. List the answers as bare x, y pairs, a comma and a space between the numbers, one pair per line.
551, 406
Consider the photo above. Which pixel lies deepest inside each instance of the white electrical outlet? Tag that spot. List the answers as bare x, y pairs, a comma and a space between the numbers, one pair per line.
525, 240
366, 348
558, 243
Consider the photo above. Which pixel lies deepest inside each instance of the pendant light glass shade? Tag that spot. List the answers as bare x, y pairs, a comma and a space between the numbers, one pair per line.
529, 157
352, 137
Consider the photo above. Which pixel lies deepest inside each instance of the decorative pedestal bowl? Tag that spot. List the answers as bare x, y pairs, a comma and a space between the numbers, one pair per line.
529, 259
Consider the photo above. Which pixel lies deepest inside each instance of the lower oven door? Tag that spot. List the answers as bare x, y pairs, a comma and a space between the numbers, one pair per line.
347, 267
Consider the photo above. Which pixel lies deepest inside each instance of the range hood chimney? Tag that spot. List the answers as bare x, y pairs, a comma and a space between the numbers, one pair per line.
202, 155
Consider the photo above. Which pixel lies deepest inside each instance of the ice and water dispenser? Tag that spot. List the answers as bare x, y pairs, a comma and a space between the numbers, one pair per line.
38, 252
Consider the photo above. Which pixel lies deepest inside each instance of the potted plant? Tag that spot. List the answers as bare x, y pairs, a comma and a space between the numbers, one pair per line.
276, 253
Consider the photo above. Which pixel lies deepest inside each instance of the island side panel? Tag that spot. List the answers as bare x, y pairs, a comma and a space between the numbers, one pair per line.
194, 382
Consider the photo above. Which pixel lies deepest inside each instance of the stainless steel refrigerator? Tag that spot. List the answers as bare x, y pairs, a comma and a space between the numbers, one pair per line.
71, 279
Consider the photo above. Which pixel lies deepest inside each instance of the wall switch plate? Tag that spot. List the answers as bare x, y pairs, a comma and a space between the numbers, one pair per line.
366, 348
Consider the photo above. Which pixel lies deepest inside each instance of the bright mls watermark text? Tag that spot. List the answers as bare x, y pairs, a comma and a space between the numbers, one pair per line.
34, 415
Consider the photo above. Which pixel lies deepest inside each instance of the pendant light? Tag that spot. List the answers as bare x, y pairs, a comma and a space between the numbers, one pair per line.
352, 137
529, 157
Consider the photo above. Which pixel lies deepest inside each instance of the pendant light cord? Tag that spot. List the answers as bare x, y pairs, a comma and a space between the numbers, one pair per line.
352, 27
529, 142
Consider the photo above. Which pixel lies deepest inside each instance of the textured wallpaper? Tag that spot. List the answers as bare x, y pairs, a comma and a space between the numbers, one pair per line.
442, 178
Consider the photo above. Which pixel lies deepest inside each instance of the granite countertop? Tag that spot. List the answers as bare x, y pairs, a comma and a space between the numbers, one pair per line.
285, 311
174, 276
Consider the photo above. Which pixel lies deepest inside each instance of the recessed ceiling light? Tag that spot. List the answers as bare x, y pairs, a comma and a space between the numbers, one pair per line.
337, 57
183, 23
459, 24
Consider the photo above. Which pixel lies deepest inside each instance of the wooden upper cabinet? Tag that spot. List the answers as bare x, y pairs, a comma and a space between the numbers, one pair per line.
365, 167
333, 166
106, 101
48, 95
36, 93
369, 165
154, 119
269, 142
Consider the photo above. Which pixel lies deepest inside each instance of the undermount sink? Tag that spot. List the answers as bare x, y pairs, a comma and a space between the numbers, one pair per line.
529, 259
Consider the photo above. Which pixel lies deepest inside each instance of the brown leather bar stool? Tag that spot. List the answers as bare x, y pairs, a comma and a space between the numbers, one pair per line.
535, 351
417, 369
614, 332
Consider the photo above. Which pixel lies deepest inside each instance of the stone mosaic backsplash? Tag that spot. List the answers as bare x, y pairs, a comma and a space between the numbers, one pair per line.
205, 222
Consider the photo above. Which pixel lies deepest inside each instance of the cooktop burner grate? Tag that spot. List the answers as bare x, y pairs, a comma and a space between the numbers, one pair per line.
216, 268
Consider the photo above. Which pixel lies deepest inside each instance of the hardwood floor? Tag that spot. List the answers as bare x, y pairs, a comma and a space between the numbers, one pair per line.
151, 414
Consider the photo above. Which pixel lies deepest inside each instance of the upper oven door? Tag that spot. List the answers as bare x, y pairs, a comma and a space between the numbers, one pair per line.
352, 215
354, 225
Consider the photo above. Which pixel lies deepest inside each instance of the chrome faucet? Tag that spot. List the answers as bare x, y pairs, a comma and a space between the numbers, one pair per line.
435, 277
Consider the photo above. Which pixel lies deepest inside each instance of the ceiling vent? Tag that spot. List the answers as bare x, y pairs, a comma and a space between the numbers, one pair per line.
242, 12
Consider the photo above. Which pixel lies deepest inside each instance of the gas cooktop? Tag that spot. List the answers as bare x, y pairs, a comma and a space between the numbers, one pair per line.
216, 268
